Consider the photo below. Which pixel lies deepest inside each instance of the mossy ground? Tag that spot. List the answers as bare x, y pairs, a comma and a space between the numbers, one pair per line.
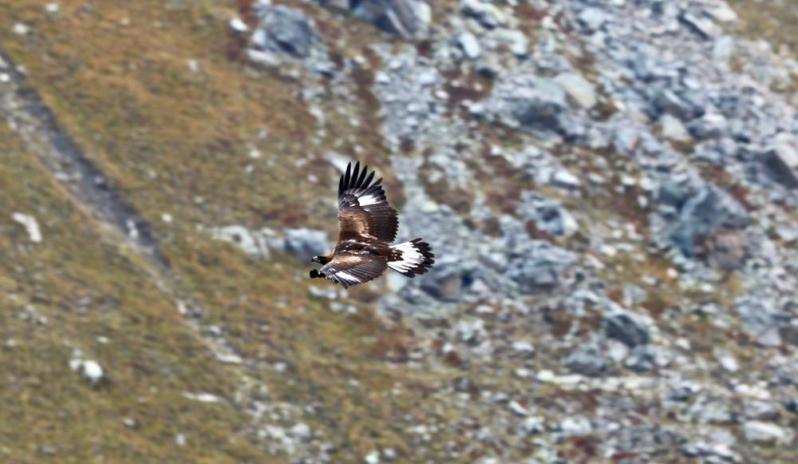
77, 290
175, 141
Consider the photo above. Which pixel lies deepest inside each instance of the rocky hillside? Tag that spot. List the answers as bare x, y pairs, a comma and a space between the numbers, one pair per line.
610, 187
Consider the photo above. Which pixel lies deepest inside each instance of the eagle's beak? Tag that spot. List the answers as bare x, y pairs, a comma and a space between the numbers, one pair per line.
316, 259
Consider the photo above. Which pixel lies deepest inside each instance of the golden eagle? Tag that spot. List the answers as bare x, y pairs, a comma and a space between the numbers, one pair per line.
367, 225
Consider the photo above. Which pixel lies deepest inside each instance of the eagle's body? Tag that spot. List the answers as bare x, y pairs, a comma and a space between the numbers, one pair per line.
367, 227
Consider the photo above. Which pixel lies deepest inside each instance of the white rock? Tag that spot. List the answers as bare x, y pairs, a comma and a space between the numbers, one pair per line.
469, 44
563, 178
516, 41
533, 424
89, 369
722, 12
373, 457
673, 129
202, 397
578, 88
21, 29
31, 226
229, 358
52, 7
517, 409
575, 426
238, 25
250, 243
764, 432
300, 430
727, 360
523, 347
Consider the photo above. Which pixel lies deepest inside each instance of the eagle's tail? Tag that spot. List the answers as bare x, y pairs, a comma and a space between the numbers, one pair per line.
415, 257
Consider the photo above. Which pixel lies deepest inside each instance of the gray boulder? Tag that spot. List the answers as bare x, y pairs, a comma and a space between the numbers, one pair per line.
544, 267
626, 329
782, 160
285, 30
407, 18
547, 216
447, 281
588, 361
695, 210
759, 320
305, 243
533, 104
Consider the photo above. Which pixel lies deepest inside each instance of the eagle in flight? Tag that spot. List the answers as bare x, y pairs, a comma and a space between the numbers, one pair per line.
367, 225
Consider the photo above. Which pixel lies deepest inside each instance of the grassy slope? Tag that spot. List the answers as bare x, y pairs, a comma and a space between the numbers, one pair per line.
176, 142
87, 288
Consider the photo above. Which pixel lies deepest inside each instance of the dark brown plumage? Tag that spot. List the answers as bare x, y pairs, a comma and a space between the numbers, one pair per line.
367, 225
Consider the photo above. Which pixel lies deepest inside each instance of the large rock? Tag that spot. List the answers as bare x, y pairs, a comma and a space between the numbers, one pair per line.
547, 215
759, 320
694, 211
487, 14
578, 88
544, 267
408, 18
588, 361
782, 160
305, 243
627, 329
447, 281
765, 432
286, 30
532, 104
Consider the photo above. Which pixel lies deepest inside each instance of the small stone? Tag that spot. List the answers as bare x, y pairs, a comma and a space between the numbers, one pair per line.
229, 358
52, 8
21, 29
130, 422
517, 409
516, 41
238, 25
626, 329
591, 19
673, 129
30, 224
523, 347
765, 432
469, 44
89, 369
761, 410
202, 397
727, 360
533, 424
587, 361
782, 160
576, 426
488, 15
578, 88
701, 26
721, 12
563, 178
301, 430
373, 458
180, 440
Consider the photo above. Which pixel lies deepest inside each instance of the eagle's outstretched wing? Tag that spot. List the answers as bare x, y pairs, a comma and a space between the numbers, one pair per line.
363, 210
349, 269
